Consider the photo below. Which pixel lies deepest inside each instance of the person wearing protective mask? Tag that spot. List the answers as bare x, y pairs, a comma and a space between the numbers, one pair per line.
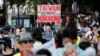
69, 37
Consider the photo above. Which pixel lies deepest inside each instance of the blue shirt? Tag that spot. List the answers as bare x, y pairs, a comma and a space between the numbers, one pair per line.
48, 35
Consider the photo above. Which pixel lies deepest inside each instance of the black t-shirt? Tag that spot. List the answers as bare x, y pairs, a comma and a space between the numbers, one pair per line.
44, 41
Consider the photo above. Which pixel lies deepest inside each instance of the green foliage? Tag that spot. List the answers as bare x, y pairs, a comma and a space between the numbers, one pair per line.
18, 2
35, 3
11, 2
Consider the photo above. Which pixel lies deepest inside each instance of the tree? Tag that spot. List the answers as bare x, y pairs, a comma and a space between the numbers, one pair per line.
33, 4
57, 1
18, 3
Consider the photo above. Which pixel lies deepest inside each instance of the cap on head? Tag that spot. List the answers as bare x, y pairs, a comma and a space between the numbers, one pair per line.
25, 37
88, 33
4, 32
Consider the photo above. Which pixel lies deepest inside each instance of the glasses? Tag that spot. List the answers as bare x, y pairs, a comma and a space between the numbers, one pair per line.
26, 41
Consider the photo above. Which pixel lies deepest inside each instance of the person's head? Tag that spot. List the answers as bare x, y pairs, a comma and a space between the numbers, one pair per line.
43, 52
84, 45
37, 35
94, 28
17, 31
69, 35
4, 33
25, 42
89, 35
47, 27
23, 30
7, 46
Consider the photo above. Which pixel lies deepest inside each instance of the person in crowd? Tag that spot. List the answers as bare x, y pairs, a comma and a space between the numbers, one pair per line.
92, 37
8, 50
17, 31
23, 30
0, 35
37, 36
7, 28
88, 48
89, 36
95, 34
5, 36
98, 35
57, 26
58, 39
48, 33
4, 33
98, 52
38, 39
69, 36
12, 36
98, 48
82, 35
25, 44
43, 52
12, 33
1, 46
83, 45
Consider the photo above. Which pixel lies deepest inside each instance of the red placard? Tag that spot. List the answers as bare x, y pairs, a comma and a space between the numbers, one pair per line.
49, 13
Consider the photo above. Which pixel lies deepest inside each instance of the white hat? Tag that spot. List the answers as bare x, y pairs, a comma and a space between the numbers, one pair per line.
88, 33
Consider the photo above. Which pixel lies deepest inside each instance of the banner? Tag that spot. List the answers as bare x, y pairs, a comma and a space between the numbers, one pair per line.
49, 13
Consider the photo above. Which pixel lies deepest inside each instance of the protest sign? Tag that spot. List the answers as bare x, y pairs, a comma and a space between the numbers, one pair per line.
49, 13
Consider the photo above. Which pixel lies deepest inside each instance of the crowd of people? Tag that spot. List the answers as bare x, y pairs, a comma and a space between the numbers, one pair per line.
78, 38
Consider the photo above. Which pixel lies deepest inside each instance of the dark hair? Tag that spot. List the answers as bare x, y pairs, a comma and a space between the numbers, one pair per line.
37, 34
58, 39
72, 23
84, 45
7, 45
43, 52
70, 32
47, 24
12, 30
4, 32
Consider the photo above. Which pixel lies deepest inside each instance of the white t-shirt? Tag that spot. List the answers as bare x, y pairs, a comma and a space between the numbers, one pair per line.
90, 51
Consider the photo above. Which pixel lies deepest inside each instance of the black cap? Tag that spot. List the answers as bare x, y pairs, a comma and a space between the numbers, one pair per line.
4, 32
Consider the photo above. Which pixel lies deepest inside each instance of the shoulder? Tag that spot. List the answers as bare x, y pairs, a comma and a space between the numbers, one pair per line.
80, 51
90, 50
59, 51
